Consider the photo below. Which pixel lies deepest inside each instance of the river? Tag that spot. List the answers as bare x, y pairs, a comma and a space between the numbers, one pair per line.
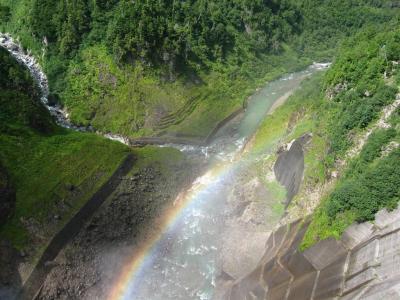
182, 261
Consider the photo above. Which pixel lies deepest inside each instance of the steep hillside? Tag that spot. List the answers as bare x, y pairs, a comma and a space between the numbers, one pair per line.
362, 86
52, 180
53, 171
326, 23
118, 67
325, 248
352, 114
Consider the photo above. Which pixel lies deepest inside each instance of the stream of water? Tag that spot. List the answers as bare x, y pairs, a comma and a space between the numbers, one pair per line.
59, 113
183, 262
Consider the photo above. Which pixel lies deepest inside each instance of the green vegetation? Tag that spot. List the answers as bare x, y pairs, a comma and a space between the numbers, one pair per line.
179, 67
122, 66
337, 108
361, 67
327, 22
279, 193
227, 89
135, 68
123, 99
54, 171
113, 98
198, 32
370, 183
364, 69
4, 13
368, 190
284, 122
168, 161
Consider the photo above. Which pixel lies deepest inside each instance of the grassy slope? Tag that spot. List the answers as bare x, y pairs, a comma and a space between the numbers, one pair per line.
55, 175
293, 118
54, 171
130, 100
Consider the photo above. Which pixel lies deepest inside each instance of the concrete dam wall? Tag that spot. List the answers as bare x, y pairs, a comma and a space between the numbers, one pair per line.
363, 264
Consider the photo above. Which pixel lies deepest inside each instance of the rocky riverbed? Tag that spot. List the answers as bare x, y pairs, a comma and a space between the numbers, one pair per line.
85, 268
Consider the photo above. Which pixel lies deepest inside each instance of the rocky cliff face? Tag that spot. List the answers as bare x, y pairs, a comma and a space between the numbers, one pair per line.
363, 264
289, 166
251, 216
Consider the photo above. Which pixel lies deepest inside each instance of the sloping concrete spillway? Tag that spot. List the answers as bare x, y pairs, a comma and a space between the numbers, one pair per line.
363, 264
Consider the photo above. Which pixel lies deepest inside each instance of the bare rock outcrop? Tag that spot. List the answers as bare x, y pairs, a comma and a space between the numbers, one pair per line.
289, 167
333, 91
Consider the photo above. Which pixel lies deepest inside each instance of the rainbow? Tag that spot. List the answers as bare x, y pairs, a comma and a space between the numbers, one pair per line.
143, 255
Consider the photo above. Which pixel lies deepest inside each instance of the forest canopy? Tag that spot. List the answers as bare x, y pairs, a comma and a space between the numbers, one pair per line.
159, 31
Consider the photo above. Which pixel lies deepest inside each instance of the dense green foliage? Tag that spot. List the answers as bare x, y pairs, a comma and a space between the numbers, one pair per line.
368, 187
214, 51
365, 70
4, 13
327, 22
370, 183
150, 67
54, 171
199, 31
158, 31
362, 69
122, 66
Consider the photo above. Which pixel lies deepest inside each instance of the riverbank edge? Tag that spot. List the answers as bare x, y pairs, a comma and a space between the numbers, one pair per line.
62, 116
209, 138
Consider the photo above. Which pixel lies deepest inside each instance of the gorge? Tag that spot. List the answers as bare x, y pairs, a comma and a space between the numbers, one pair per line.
173, 150
191, 234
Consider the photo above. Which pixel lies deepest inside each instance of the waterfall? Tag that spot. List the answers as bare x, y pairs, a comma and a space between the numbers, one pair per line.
60, 114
